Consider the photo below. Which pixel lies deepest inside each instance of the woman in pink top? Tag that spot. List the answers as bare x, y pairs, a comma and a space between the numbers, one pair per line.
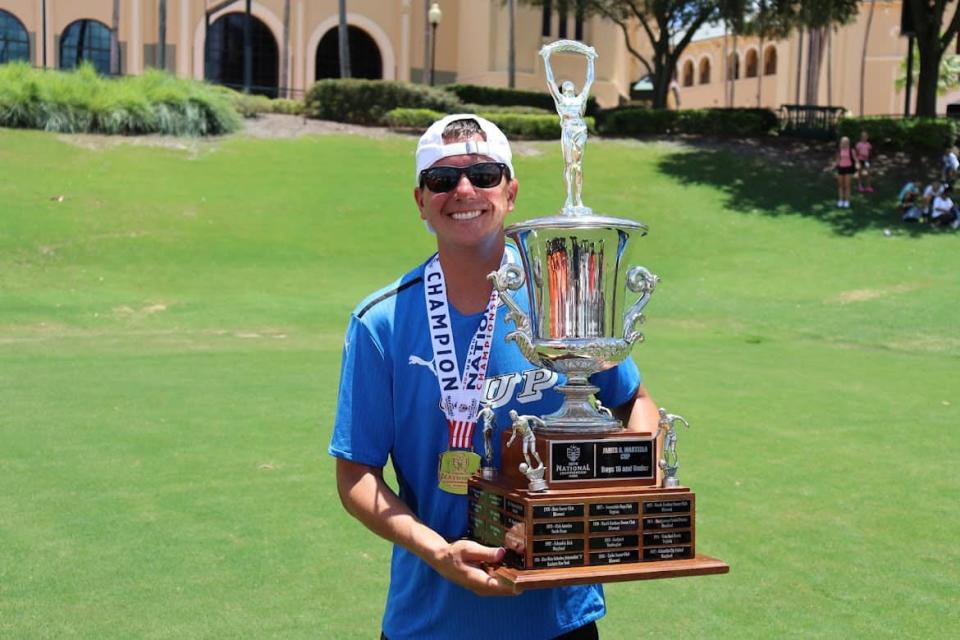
863, 149
845, 164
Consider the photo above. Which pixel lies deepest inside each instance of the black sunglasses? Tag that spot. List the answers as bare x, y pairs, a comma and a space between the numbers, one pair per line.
482, 175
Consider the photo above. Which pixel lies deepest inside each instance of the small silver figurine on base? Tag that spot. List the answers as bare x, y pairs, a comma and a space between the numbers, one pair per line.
521, 425
573, 128
489, 418
669, 458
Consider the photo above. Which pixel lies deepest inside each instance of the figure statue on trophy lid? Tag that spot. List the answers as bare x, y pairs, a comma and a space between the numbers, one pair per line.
669, 458
521, 425
573, 128
489, 424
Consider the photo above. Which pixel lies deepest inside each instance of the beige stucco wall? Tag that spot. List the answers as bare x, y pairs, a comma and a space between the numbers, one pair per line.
472, 47
840, 85
471, 39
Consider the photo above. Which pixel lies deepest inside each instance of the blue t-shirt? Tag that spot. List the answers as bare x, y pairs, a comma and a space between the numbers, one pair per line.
388, 405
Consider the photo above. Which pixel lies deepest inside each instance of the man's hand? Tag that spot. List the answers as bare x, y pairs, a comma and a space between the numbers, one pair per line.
471, 565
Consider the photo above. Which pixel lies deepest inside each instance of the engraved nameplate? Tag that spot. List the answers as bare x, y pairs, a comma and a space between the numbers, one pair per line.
601, 460
558, 560
514, 507
668, 553
613, 557
672, 522
614, 509
614, 542
667, 506
475, 492
604, 526
557, 528
493, 500
666, 537
558, 545
543, 511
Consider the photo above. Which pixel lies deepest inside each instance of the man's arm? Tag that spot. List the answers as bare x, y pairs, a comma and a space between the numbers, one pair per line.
639, 413
370, 500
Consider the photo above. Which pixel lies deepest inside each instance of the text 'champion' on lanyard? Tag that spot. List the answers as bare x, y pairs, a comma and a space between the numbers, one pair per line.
460, 395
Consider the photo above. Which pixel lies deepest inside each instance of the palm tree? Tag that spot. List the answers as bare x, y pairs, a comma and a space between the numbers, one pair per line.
114, 39
285, 55
344, 41
863, 55
162, 35
512, 46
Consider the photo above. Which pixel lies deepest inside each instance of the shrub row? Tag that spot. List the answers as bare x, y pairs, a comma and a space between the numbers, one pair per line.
367, 101
250, 106
83, 102
722, 122
922, 133
514, 125
501, 96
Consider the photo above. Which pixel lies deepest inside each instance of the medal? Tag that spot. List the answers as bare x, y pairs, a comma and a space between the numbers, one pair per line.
459, 396
455, 468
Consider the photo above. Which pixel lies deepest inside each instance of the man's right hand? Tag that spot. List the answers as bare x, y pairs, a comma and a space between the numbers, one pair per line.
471, 565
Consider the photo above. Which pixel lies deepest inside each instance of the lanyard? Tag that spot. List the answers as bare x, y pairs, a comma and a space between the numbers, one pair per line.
460, 396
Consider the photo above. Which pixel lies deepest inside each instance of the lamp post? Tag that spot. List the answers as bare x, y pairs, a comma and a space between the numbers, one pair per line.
434, 16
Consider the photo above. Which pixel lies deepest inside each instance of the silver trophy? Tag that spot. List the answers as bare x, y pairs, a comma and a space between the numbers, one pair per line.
578, 269
669, 458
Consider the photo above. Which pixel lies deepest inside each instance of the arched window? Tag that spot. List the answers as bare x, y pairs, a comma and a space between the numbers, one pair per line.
224, 54
751, 64
770, 61
733, 66
14, 41
688, 73
365, 58
86, 41
705, 71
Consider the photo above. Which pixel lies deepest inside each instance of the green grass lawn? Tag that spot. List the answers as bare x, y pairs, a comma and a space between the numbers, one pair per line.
170, 338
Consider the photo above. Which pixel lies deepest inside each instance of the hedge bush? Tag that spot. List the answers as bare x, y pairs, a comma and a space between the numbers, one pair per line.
367, 101
635, 121
511, 97
920, 133
82, 101
721, 122
513, 125
250, 105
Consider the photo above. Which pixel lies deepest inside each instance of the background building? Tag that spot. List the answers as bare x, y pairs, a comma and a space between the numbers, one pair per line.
772, 73
386, 37
295, 43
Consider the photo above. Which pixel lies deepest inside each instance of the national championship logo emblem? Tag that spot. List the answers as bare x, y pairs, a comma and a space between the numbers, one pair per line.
573, 453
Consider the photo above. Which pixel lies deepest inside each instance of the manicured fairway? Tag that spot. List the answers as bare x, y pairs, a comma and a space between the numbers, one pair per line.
170, 334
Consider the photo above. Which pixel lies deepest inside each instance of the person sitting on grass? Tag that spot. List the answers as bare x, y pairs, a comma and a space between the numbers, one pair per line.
864, 149
944, 210
931, 191
910, 202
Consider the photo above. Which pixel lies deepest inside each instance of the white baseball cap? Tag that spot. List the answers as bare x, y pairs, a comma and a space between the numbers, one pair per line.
431, 147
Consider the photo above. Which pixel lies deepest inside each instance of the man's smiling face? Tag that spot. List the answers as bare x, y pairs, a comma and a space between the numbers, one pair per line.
466, 216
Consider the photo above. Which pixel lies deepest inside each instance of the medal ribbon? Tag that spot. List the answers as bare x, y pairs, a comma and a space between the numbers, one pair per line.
460, 396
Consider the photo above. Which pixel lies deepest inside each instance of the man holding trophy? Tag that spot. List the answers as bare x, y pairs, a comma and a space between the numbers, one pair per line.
422, 358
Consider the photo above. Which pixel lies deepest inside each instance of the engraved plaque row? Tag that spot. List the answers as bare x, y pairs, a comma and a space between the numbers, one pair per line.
662, 532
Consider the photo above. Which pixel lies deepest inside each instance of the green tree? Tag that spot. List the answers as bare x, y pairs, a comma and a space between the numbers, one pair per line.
668, 25
933, 40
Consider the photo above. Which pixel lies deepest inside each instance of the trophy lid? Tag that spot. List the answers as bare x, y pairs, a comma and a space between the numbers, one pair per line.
576, 222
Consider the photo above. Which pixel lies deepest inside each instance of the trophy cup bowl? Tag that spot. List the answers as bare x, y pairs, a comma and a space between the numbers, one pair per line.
580, 321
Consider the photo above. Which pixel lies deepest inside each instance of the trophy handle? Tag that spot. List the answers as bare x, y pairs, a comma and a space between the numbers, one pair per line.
509, 278
639, 280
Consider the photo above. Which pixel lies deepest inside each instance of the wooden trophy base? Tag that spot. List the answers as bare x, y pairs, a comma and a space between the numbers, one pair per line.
588, 527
